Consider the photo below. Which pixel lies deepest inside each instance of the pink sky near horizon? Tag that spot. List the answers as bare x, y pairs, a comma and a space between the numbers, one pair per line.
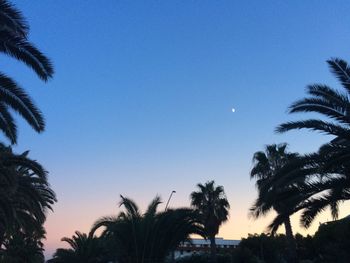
142, 96
66, 220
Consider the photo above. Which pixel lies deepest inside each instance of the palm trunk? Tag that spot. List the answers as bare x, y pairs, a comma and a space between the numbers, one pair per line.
291, 246
212, 249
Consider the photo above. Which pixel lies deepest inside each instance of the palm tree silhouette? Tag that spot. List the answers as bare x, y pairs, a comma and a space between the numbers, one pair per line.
267, 166
333, 157
25, 193
24, 247
211, 203
83, 249
14, 43
136, 237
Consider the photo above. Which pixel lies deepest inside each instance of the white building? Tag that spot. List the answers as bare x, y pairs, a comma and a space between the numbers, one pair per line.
198, 246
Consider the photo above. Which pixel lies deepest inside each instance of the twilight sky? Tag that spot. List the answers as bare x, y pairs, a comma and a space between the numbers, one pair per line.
141, 100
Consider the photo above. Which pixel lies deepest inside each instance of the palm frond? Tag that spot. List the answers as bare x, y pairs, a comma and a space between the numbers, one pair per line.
15, 97
7, 124
11, 19
19, 48
130, 206
276, 223
152, 207
341, 70
334, 111
315, 125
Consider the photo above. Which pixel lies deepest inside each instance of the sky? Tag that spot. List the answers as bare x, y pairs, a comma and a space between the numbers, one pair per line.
142, 96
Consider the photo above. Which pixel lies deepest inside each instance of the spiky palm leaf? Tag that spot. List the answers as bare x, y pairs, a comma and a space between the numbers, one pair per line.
268, 170
83, 249
12, 96
333, 158
12, 19
23, 247
211, 203
14, 43
24, 193
148, 237
213, 208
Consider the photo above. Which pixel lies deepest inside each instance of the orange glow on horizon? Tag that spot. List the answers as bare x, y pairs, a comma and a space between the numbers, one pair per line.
63, 223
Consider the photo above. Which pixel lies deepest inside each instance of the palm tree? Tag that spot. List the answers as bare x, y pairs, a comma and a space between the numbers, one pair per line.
83, 249
282, 198
211, 203
135, 237
14, 43
23, 247
333, 157
25, 195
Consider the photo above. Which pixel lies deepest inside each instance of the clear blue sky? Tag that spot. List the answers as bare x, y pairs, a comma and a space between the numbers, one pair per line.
141, 99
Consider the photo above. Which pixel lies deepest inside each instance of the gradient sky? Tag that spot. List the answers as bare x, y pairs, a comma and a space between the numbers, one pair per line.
141, 100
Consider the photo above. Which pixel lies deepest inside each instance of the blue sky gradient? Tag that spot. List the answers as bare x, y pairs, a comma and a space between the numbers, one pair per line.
141, 100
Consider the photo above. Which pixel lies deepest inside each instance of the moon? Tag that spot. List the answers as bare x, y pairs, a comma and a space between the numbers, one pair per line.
233, 109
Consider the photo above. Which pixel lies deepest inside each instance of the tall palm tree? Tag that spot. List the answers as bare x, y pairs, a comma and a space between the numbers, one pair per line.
333, 157
14, 43
211, 203
267, 165
136, 237
83, 249
25, 195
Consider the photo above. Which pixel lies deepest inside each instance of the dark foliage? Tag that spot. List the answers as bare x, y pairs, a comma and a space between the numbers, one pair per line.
268, 169
205, 259
134, 237
14, 43
25, 194
273, 249
332, 242
213, 209
23, 247
83, 249
329, 182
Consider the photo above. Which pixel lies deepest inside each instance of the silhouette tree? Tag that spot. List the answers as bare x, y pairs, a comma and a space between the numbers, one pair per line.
134, 237
211, 203
23, 247
267, 165
83, 249
14, 43
25, 195
332, 242
333, 157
